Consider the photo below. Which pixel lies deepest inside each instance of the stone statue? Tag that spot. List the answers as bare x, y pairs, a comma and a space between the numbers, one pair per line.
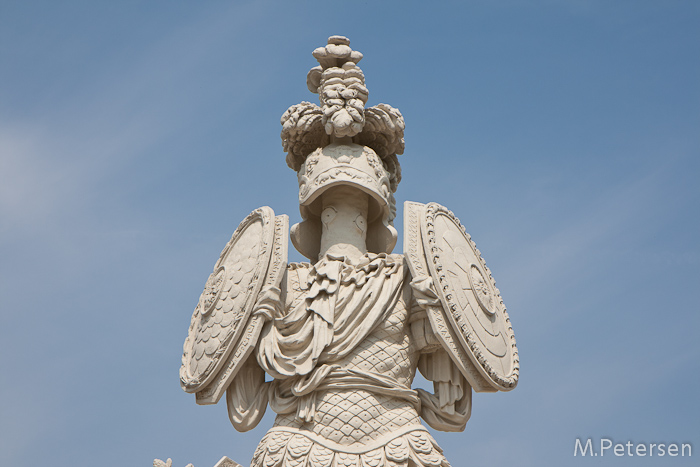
341, 337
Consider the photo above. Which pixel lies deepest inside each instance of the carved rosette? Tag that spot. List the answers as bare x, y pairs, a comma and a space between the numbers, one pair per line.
228, 298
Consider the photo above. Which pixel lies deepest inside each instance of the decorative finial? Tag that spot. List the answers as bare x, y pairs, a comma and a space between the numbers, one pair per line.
340, 84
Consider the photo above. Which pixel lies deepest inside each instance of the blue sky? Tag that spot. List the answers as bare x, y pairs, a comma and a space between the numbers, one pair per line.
135, 136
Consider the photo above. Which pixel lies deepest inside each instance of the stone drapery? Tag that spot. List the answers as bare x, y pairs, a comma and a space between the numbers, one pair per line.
300, 350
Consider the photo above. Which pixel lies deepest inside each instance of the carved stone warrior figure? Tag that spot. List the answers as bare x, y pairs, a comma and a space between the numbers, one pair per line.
341, 337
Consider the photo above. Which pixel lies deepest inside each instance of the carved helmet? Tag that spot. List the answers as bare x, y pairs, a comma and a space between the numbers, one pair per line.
350, 165
343, 143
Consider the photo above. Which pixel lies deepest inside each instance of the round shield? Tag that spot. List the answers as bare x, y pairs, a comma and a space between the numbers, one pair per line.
227, 300
469, 295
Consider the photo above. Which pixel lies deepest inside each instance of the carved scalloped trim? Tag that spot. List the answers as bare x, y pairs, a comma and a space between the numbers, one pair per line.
278, 262
504, 382
412, 239
191, 383
287, 433
213, 392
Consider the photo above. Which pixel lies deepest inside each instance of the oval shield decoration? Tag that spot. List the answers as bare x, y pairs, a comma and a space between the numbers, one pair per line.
227, 300
470, 298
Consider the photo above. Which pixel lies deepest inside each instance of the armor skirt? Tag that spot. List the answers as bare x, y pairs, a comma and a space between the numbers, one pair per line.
291, 447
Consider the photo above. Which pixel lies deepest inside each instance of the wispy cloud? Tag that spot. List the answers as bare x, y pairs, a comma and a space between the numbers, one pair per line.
560, 255
51, 163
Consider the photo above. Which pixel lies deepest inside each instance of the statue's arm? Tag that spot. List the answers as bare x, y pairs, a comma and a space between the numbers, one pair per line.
449, 407
422, 296
248, 394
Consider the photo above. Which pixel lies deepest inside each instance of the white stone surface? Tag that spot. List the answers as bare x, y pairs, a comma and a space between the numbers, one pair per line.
223, 462
340, 338
167, 463
226, 462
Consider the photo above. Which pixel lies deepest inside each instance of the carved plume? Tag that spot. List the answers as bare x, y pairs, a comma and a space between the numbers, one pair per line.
340, 84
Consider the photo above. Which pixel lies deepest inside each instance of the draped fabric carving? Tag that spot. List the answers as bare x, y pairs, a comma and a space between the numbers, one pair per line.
345, 302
